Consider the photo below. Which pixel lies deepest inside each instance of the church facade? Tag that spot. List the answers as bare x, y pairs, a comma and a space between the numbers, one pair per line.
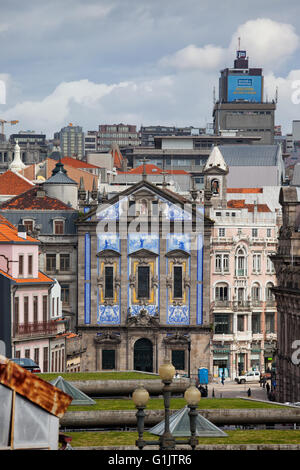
143, 281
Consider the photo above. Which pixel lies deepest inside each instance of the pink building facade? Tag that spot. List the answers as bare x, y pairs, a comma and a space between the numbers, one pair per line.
243, 307
28, 327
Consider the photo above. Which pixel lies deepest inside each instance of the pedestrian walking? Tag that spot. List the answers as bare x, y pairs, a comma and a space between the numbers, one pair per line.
267, 388
249, 392
223, 378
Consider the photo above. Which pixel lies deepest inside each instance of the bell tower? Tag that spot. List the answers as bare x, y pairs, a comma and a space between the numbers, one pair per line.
215, 175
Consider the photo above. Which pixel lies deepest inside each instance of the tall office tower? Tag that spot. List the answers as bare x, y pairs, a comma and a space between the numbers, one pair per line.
71, 141
241, 106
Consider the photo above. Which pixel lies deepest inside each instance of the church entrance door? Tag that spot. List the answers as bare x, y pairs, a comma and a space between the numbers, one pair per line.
143, 355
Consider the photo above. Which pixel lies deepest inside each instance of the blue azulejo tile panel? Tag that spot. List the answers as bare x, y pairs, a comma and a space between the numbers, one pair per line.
175, 212
108, 315
109, 241
178, 315
87, 257
200, 280
108, 212
138, 241
179, 241
87, 303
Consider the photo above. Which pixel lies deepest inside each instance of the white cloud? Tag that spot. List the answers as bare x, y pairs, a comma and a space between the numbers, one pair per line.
70, 101
193, 57
288, 106
268, 43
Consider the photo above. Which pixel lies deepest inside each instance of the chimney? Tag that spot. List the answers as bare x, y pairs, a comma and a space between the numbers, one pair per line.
22, 231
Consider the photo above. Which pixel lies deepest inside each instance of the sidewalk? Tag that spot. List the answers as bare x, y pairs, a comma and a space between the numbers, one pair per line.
231, 389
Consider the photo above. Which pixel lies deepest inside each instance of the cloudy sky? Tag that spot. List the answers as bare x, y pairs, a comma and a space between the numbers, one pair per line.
141, 62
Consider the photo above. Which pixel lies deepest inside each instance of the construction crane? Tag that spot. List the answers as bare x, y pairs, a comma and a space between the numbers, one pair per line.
2, 122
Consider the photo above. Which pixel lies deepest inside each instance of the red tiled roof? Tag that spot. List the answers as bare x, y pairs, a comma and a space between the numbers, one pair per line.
11, 183
42, 278
30, 201
153, 169
117, 157
240, 204
9, 233
245, 190
77, 163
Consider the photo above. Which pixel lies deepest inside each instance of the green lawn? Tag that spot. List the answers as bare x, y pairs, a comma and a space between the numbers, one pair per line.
176, 404
99, 376
112, 438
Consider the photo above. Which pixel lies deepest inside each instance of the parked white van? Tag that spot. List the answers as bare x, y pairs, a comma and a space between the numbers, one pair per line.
252, 376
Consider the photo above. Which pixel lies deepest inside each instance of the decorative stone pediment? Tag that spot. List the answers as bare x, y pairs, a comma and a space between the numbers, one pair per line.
177, 254
143, 319
177, 338
107, 337
143, 253
108, 254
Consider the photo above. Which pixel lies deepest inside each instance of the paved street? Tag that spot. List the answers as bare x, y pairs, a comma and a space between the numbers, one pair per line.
231, 389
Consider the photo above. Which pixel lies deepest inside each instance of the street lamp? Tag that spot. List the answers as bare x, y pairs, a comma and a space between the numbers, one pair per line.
140, 398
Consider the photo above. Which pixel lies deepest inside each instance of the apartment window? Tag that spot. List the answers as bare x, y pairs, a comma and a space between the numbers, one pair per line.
241, 263
36, 356
269, 233
222, 323
21, 265
108, 359
65, 262
65, 293
256, 328
35, 309
221, 292
256, 262
45, 308
45, 359
16, 309
109, 282
254, 233
28, 224
143, 282
269, 294
270, 323
255, 291
27, 353
241, 323
270, 266
222, 262
58, 227
178, 359
222, 232
50, 262
26, 309
30, 264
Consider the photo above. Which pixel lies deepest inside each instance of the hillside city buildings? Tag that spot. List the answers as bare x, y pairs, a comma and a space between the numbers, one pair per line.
222, 294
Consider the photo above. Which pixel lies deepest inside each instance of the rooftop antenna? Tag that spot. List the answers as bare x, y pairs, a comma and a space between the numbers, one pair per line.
276, 95
239, 43
214, 95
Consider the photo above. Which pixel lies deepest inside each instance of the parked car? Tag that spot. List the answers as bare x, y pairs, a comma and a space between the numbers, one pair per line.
252, 376
27, 364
